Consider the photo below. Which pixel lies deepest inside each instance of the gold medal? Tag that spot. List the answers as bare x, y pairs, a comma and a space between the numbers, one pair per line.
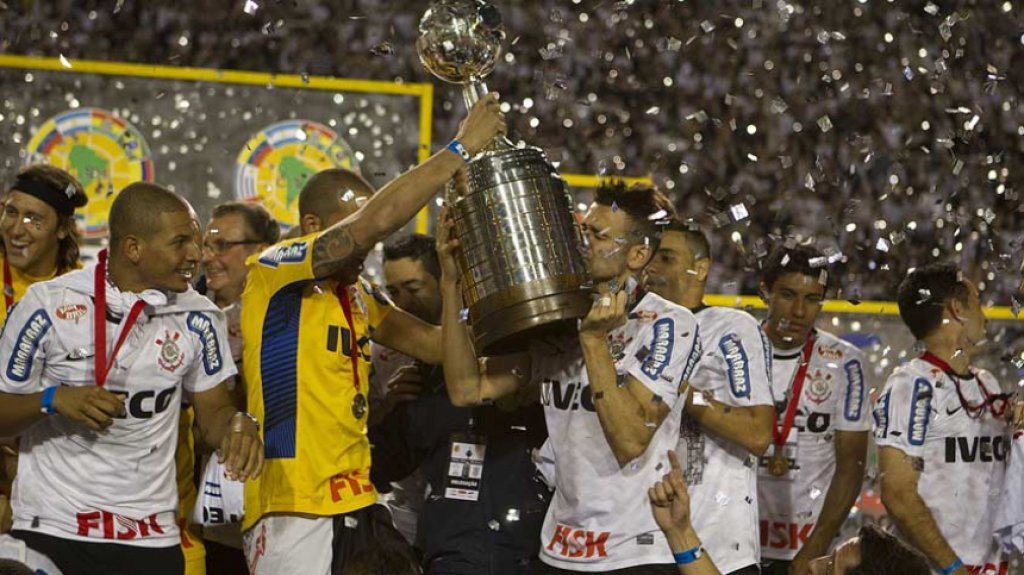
778, 465
359, 406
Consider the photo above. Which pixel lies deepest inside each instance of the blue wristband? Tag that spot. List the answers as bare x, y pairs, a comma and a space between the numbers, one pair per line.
456, 147
953, 567
46, 406
689, 556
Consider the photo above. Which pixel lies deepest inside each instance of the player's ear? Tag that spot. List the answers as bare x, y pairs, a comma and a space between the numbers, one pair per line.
311, 224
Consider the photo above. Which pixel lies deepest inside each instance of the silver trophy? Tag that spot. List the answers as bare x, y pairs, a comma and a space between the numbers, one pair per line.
520, 258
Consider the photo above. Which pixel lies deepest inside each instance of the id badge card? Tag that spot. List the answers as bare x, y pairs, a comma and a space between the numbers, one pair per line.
465, 467
784, 465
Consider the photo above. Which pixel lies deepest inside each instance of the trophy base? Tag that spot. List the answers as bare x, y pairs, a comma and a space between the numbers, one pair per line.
502, 327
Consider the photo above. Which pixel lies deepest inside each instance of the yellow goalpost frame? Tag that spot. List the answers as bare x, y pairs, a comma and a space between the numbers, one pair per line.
425, 93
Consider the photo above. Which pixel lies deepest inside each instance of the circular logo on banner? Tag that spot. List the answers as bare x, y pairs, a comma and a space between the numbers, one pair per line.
277, 162
103, 152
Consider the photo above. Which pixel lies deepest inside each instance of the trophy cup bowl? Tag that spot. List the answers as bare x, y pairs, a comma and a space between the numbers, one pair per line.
520, 259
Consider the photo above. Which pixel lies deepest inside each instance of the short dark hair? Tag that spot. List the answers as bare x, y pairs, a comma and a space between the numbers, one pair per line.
802, 259
319, 196
419, 247
883, 554
649, 209
262, 226
925, 291
694, 236
137, 209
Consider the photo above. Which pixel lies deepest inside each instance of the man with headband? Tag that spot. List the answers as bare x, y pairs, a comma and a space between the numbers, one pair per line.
815, 466
40, 237
39, 241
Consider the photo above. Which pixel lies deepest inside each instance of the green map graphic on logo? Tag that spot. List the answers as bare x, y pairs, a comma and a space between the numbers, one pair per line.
87, 164
295, 173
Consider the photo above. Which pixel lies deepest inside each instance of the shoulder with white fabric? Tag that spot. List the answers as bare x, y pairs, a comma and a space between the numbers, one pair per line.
903, 411
744, 352
667, 344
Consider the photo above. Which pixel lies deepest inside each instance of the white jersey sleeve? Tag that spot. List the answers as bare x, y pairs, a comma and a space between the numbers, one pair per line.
23, 345
853, 409
903, 412
216, 364
740, 375
666, 353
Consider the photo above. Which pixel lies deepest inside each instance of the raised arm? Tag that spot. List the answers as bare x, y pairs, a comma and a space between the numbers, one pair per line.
670, 502
629, 414
469, 381
398, 201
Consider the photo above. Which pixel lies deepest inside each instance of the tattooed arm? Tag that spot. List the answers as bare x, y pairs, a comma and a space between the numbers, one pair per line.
398, 201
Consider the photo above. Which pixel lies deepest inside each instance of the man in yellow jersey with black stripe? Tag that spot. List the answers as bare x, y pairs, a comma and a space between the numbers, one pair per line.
40, 241
306, 330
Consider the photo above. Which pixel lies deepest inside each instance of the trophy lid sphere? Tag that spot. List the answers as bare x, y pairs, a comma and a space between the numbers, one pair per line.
460, 41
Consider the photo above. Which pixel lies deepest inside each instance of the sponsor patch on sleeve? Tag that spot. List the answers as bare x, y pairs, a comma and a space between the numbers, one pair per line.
288, 254
662, 344
881, 416
19, 365
855, 390
736, 363
200, 324
695, 353
920, 412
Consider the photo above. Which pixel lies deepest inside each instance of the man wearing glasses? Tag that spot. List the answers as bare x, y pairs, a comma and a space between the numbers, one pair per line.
942, 429
236, 231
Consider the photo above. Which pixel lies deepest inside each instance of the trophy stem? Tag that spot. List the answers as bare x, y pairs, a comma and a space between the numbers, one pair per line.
472, 91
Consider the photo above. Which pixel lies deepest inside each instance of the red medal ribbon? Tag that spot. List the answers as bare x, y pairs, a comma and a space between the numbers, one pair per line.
100, 323
346, 307
8, 285
780, 434
991, 399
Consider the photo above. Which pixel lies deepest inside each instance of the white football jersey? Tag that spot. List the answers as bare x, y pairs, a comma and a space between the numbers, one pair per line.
600, 517
834, 398
722, 476
117, 485
921, 414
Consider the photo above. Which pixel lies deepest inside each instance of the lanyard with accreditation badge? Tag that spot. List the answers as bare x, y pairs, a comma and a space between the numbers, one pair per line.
778, 464
100, 323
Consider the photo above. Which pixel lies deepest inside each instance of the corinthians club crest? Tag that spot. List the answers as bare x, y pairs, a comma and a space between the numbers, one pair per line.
171, 356
820, 388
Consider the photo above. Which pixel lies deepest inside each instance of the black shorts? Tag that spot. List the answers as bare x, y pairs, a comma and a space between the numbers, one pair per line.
775, 567
88, 558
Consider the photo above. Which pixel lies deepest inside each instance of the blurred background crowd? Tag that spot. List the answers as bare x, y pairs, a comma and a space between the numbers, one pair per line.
888, 130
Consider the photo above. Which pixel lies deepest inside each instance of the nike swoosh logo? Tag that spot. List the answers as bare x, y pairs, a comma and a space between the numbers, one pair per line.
951, 412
